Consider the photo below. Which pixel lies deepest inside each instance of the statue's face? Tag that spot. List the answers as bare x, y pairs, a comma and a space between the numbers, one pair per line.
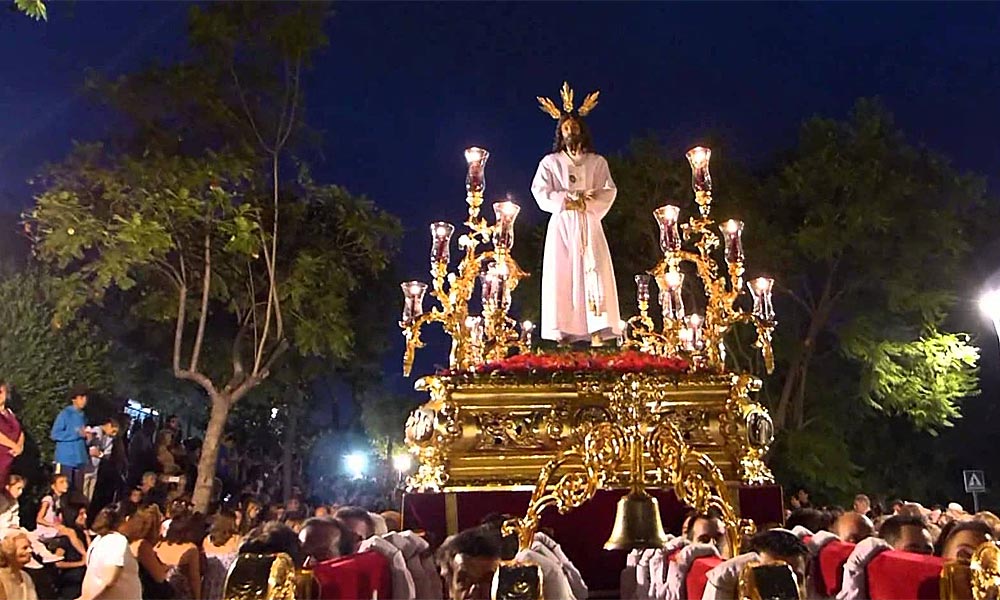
570, 130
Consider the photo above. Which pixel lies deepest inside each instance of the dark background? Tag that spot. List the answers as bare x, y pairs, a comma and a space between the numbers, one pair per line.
404, 88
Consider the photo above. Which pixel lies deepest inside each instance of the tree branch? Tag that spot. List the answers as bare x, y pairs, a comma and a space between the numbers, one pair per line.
246, 107
206, 286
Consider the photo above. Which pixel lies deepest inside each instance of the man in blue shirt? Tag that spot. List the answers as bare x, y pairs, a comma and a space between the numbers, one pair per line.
70, 434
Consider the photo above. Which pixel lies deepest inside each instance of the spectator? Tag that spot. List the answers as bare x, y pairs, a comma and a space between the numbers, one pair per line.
69, 432
73, 568
11, 436
10, 508
112, 570
142, 531
165, 460
49, 521
221, 548
863, 505
895, 507
180, 552
853, 527
15, 554
100, 445
959, 539
907, 533
142, 451
467, 562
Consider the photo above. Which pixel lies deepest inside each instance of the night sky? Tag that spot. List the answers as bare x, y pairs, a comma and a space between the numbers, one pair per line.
404, 88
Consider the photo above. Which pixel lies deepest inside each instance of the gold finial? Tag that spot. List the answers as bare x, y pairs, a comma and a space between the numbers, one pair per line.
567, 97
566, 93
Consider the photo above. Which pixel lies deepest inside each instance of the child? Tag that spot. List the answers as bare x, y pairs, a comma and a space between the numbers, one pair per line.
10, 518
49, 519
99, 447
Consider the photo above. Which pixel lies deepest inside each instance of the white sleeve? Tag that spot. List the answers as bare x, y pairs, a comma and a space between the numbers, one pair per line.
543, 189
604, 190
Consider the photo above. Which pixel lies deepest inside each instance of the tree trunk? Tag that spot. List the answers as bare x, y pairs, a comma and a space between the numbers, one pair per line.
291, 433
221, 404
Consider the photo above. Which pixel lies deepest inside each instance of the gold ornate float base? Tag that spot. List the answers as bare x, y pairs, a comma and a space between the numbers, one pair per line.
490, 432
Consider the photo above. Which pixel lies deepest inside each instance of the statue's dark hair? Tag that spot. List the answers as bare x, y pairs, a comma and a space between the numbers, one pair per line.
586, 141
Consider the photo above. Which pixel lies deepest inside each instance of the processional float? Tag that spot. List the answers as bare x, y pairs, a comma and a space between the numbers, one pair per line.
661, 411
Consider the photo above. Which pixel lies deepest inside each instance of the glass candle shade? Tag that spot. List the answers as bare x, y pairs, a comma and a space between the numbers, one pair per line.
527, 333
413, 299
701, 179
670, 237
686, 339
475, 327
642, 288
475, 179
487, 281
732, 235
761, 288
441, 233
506, 213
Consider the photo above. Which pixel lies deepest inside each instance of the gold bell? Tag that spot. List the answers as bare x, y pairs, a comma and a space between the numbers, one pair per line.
637, 523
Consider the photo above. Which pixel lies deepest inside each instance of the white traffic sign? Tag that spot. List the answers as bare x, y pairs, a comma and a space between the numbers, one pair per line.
975, 481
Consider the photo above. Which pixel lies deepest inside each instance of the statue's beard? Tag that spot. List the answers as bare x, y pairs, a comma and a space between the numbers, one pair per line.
572, 143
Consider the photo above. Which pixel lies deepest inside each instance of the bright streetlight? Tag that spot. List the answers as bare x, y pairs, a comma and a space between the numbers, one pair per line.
989, 303
356, 464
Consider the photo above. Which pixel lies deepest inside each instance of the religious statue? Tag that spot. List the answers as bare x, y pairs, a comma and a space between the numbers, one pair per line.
573, 183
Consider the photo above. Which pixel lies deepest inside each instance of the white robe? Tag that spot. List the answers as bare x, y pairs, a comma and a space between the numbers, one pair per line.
577, 274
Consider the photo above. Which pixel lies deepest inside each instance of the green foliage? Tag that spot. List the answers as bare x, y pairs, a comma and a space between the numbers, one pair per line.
868, 238
33, 8
923, 379
383, 416
43, 362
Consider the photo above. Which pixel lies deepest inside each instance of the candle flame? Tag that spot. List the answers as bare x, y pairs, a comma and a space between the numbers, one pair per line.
475, 155
674, 279
527, 326
733, 226
695, 321
763, 284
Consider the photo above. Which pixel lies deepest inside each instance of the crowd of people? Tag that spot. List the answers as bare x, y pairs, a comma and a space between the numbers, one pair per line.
116, 522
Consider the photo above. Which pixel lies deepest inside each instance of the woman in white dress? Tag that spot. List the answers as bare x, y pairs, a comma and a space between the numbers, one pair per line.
112, 571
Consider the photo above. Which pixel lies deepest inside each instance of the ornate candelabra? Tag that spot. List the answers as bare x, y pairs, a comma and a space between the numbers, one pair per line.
493, 334
699, 337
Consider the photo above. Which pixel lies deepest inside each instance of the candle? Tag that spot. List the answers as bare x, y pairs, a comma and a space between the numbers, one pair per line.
527, 328
674, 307
670, 238
441, 242
701, 179
732, 233
761, 288
488, 282
694, 323
506, 213
413, 300
475, 180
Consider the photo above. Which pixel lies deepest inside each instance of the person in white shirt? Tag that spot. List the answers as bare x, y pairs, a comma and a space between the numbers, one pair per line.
112, 571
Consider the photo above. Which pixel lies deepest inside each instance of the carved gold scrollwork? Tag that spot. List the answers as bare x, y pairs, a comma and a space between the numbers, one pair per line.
694, 477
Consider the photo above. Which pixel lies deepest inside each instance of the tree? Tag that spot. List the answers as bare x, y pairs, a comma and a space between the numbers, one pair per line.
190, 212
867, 237
187, 239
43, 362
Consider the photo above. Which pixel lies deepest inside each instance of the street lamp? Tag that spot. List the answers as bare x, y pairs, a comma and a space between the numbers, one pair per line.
356, 463
989, 303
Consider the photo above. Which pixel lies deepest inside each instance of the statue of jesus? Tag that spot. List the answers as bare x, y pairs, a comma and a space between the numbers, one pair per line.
573, 183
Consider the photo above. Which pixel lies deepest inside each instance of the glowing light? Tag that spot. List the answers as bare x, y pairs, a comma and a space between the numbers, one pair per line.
674, 279
475, 155
402, 463
356, 463
732, 226
989, 303
699, 156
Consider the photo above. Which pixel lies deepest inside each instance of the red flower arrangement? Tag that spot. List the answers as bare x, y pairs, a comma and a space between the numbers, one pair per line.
573, 362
